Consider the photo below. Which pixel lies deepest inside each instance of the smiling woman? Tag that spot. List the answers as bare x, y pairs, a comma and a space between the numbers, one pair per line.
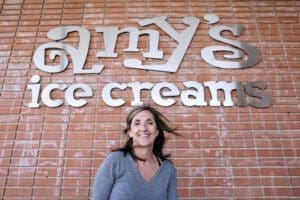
140, 167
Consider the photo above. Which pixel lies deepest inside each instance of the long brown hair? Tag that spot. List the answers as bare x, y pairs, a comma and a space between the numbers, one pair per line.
162, 126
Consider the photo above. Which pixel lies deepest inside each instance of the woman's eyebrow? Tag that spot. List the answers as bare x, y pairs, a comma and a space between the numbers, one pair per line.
138, 120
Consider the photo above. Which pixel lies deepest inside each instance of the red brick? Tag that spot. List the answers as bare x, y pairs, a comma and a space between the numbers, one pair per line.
47, 192
248, 192
247, 182
222, 153
75, 192
47, 182
18, 192
296, 192
20, 182
219, 192
294, 171
76, 182
278, 191
197, 192
278, 171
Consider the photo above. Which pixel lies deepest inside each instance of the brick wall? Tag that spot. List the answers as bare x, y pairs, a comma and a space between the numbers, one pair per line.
223, 153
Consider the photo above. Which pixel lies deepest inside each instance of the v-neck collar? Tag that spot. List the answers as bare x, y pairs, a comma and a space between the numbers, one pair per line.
137, 174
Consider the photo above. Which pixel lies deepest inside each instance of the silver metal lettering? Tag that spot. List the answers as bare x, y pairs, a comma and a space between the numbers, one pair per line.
235, 57
110, 35
254, 90
211, 18
157, 94
223, 85
183, 38
70, 92
35, 90
106, 94
46, 95
241, 101
136, 89
198, 94
78, 55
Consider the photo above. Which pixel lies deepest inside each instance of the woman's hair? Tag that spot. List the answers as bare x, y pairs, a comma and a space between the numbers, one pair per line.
162, 126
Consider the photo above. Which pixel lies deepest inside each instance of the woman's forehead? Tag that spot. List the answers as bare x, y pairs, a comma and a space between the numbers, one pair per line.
144, 114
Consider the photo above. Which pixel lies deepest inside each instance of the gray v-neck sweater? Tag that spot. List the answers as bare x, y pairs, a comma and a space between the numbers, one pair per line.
119, 179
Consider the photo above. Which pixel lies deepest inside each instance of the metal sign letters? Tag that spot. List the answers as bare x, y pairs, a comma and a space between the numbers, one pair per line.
162, 93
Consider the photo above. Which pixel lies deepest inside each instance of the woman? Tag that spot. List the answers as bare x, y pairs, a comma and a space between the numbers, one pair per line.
140, 170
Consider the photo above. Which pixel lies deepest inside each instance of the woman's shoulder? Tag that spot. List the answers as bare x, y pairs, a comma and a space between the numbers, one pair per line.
114, 158
169, 165
116, 155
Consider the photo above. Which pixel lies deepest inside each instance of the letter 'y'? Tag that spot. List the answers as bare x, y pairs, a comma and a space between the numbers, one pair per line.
183, 38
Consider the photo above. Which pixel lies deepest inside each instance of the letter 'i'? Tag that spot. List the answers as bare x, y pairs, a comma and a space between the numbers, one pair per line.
35, 90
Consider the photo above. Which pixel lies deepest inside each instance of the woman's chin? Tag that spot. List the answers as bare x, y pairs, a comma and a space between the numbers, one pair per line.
144, 144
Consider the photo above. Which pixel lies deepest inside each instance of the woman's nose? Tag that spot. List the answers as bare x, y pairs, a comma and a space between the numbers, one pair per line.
144, 126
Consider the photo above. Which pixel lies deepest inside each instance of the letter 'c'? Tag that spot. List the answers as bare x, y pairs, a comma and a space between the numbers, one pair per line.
157, 90
46, 95
106, 94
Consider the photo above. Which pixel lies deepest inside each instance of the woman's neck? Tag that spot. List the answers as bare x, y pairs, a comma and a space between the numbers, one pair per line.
143, 153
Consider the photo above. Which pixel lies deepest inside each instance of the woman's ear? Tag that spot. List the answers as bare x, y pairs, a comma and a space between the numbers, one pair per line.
129, 133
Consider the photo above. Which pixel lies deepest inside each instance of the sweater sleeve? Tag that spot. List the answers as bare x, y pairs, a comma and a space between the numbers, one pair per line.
104, 179
172, 187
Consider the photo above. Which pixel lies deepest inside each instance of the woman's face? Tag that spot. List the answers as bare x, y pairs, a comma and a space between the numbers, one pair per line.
143, 129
